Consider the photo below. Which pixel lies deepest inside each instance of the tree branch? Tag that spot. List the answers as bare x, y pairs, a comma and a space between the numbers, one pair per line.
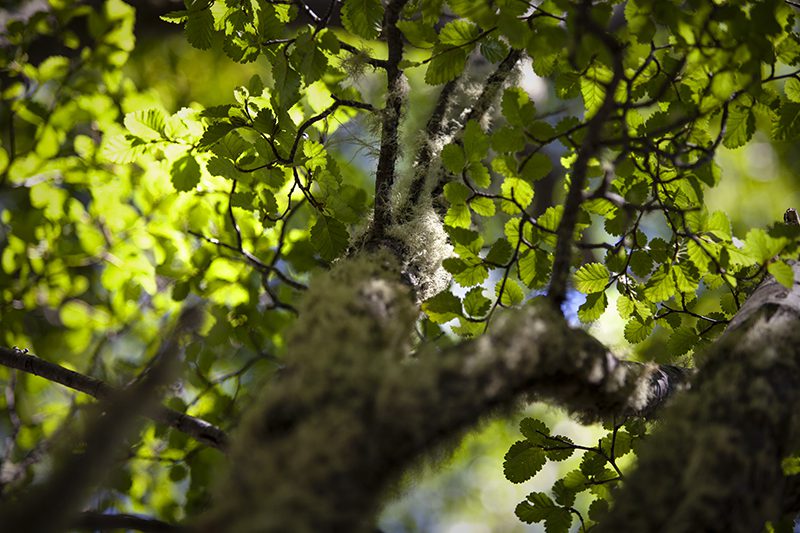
728, 435
379, 411
437, 129
385, 173
196, 428
102, 522
66, 488
563, 253
493, 85
434, 131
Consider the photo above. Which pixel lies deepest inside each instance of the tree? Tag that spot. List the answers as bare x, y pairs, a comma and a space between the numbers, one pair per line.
354, 321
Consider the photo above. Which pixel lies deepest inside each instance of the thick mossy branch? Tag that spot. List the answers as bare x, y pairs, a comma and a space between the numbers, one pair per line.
724, 440
354, 408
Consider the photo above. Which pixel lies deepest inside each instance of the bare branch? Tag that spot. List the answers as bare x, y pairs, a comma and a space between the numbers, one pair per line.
588, 149
103, 522
385, 173
196, 428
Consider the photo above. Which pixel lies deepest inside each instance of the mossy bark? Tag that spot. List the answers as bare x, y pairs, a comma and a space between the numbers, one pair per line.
354, 408
715, 462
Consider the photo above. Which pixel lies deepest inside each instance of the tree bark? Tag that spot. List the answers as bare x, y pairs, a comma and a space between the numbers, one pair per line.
355, 407
715, 462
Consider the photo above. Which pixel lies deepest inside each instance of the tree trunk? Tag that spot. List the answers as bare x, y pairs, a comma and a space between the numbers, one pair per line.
715, 462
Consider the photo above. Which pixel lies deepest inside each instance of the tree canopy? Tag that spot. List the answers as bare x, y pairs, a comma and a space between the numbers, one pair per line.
406, 217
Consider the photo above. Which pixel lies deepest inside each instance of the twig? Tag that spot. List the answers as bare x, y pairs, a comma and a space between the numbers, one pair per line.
102, 521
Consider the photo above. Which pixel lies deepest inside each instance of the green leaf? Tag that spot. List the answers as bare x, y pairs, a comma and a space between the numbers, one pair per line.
476, 142
456, 193
443, 307
517, 107
563, 495
792, 89
560, 449
719, 225
637, 13
307, 58
782, 273
522, 462
786, 126
185, 173
494, 50
175, 17
641, 263
478, 174
660, 286
500, 252
417, 32
362, 17
476, 304
329, 237
698, 256
534, 430
637, 329
512, 293
593, 307
446, 65
625, 306
537, 167
592, 87
591, 277
472, 275
534, 268
453, 159
482, 206
148, 124
518, 190
199, 28
508, 139
681, 341
458, 32
740, 128
539, 507
214, 133
761, 247
598, 510
286, 84
458, 216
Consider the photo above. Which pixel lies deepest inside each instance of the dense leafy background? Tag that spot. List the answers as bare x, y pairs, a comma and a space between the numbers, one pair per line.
138, 175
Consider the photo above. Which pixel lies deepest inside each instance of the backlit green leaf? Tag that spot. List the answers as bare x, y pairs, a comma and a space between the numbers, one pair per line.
782, 273
362, 17
591, 277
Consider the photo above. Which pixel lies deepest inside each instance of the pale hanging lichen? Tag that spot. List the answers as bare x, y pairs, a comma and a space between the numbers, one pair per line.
426, 246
